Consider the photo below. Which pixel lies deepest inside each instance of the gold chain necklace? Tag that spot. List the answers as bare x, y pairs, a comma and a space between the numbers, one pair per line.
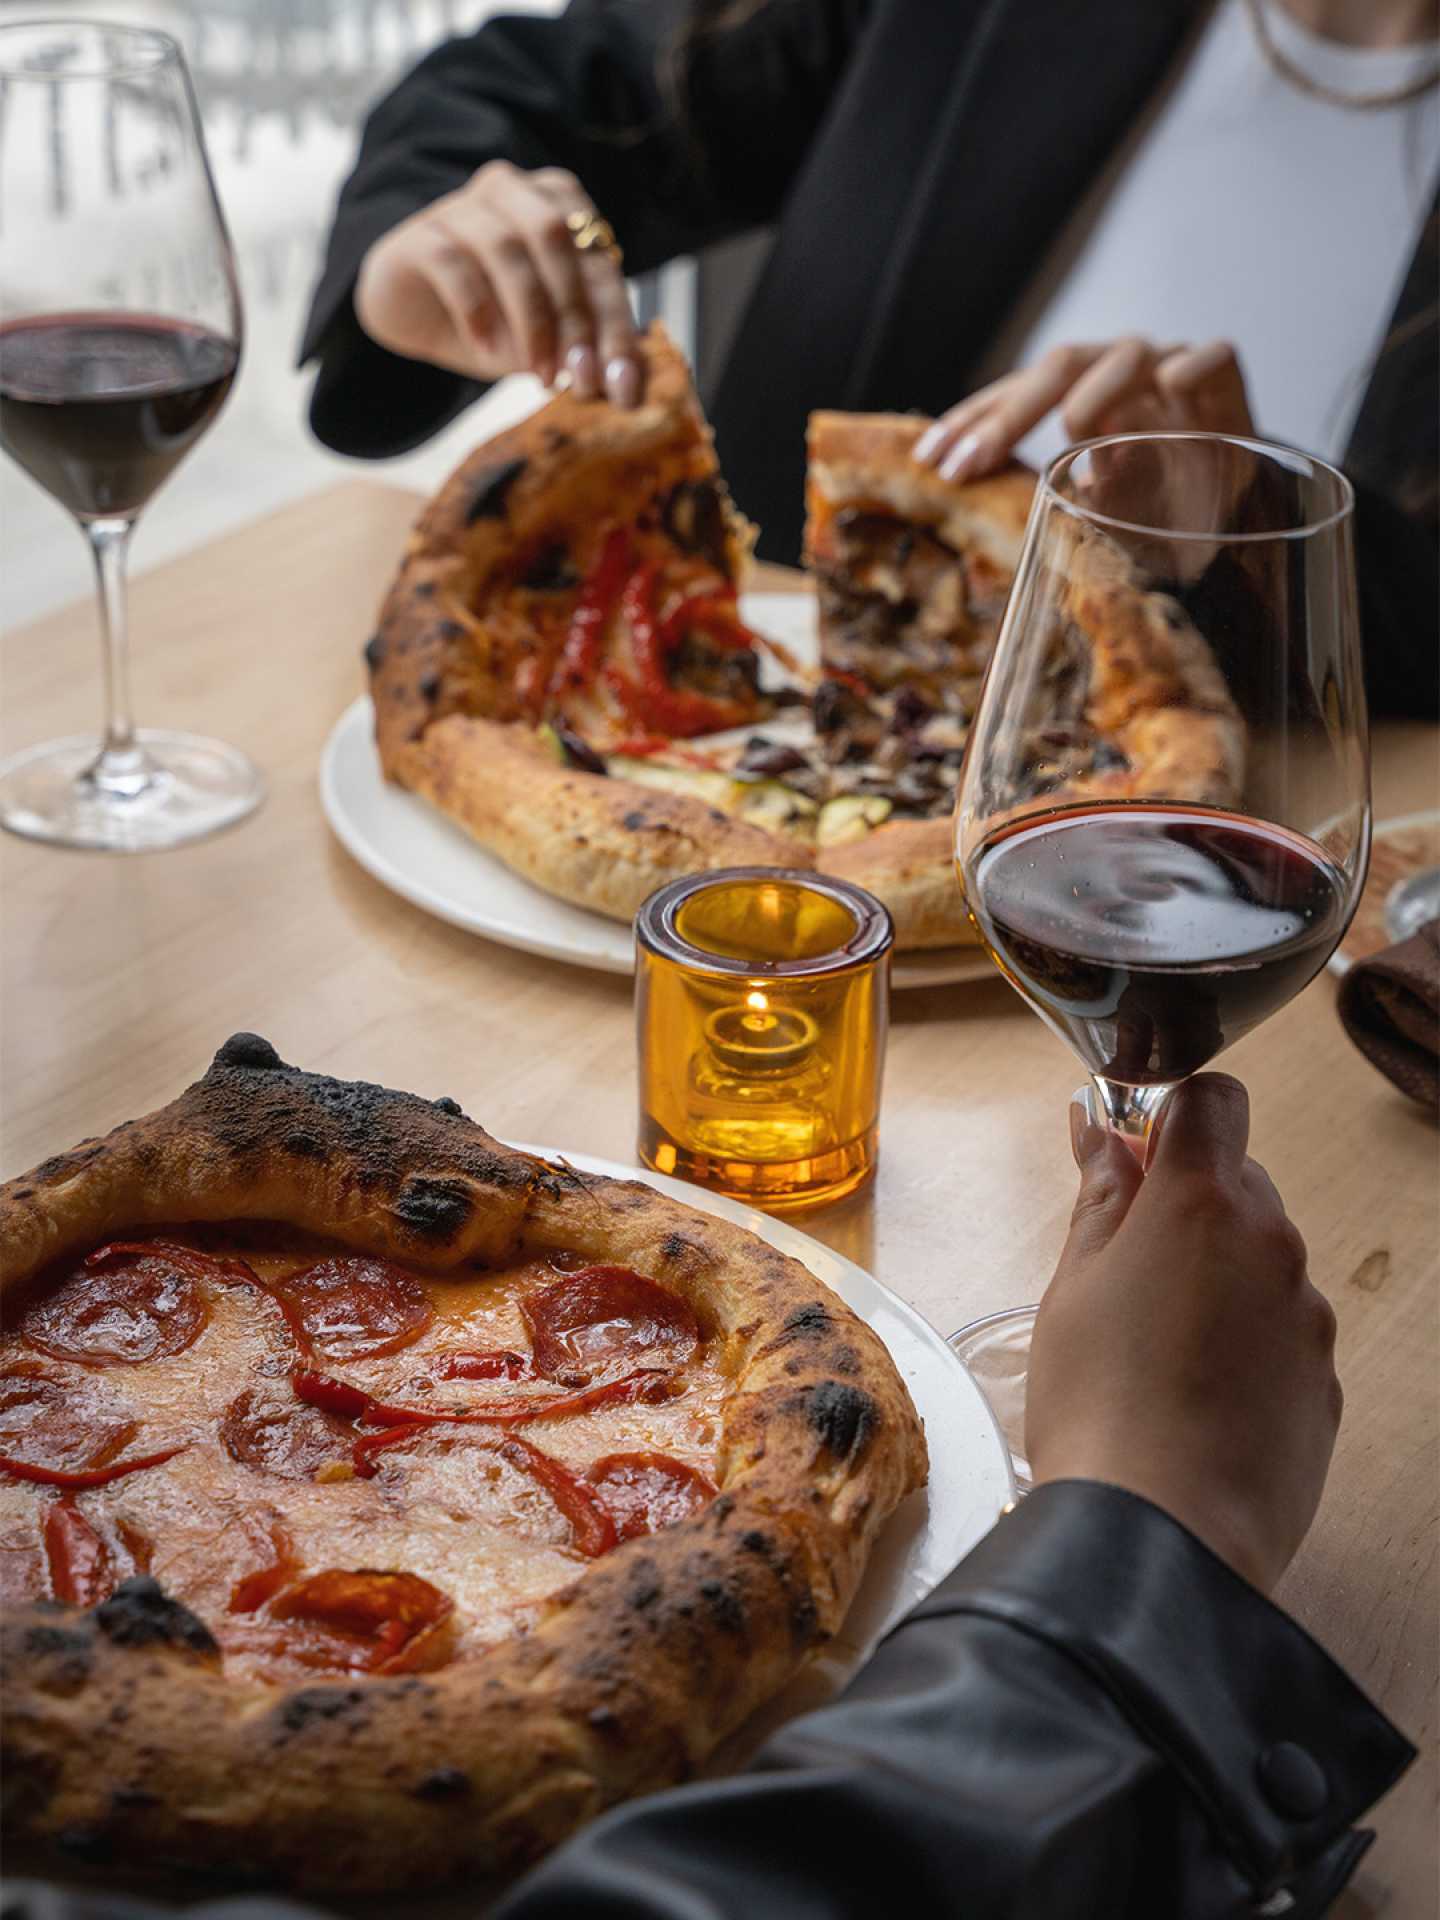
1297, 77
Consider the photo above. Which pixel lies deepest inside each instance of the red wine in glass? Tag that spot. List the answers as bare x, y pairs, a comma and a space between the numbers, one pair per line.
1153, 937
120, 332
101, 407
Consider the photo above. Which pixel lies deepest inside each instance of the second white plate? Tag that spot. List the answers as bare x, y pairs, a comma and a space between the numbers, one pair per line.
420, 855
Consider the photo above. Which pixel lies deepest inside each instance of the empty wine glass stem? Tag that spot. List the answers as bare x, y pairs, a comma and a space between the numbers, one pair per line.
122, 768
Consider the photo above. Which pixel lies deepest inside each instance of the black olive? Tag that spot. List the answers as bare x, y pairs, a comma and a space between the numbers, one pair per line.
912, 710
772, 760
550, 571
695, 520
489, 489
833, 706
577, 753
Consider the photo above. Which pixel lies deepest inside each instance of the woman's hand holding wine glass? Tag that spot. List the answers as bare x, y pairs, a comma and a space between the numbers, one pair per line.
1180, 1349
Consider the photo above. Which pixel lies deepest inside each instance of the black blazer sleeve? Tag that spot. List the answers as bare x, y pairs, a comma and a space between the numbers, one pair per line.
1091, 1719
585, 91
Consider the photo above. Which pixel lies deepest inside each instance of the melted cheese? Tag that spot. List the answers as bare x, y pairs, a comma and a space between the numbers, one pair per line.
446, 1507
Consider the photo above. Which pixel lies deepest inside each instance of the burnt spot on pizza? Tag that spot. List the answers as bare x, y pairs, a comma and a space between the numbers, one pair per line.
375, 652
605, 1721
490, 490
843, 1416
62, 1165
429, 685
676, 1247
843, 1360
433, 1209
446, 1105
315, 1705
725, 1605
249, 1050
635, 820
141, 1614
304, 1146
444, 1783
809, 1322
44, 1643
448, 630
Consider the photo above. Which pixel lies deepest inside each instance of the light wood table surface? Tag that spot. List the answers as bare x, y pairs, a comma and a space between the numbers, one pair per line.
122, 975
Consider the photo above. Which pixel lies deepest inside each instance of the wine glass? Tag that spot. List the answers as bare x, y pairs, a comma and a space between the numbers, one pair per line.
1163, 823
119, 339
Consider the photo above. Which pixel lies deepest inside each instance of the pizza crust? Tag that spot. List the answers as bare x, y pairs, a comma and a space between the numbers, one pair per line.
602, 842
125, 1742
869, 456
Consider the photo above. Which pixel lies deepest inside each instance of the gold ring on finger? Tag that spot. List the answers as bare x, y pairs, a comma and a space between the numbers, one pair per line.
591, 232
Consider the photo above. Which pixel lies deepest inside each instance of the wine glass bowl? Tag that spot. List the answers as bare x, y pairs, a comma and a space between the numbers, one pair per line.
120, 335
1163, 823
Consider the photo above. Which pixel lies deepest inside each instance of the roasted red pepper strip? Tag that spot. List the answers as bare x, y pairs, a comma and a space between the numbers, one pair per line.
590, 1522
580, 656
334, 1396
369, 1444
717, 618
81, 1571
85, 1476
654, 704
252, 1590
501, 1364
639, 1385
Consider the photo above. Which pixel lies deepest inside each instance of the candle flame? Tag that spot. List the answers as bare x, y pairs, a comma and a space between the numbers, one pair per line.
757, 1002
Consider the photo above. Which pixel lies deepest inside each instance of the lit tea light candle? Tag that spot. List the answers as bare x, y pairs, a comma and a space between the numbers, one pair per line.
762, 1004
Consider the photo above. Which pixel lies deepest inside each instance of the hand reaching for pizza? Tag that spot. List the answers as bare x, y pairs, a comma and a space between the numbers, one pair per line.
489, 280
1123, 386
1181, 1350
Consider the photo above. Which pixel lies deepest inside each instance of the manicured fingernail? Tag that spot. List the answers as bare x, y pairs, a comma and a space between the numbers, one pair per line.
584, 371
1085, 1135
622, 381
930, 442
962, 457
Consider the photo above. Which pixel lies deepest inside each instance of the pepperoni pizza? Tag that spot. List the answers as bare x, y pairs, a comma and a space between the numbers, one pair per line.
357, 1472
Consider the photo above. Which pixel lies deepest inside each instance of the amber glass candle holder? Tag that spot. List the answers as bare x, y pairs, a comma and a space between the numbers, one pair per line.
762, 1002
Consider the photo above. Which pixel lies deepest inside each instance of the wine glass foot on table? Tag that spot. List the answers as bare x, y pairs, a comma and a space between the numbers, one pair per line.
996, 1353
164, 789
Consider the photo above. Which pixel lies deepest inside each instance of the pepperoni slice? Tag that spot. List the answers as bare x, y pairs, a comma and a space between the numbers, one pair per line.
82, 1572
268, 1429
54, 1423
355, 1308
645, 1492
591, 1525
364, 1621
604, 1318
123, 1305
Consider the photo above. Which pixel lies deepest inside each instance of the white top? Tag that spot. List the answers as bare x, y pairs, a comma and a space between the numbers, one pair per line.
1245, 209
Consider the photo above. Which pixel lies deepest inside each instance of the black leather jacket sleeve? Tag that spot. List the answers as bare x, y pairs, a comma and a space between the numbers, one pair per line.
1092, 1718
588, 91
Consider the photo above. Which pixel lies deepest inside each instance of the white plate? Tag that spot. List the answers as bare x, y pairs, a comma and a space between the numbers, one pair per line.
415, 851
970, 1483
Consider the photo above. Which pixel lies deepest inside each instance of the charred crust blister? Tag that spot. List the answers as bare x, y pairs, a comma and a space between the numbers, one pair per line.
249, 1050
843, 1416
446, 1105
141, 1614
489, 491
375, 652
435, 1209
805, 1323
444, 1783
316, 1705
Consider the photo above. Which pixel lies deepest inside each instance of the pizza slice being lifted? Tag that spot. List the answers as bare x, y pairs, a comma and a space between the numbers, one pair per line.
561, 667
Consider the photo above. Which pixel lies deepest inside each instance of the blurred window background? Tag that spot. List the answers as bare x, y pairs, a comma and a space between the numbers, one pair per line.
283, 87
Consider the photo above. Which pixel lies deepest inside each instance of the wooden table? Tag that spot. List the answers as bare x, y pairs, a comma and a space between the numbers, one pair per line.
123, 975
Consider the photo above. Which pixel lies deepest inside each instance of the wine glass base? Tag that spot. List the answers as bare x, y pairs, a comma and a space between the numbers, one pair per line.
996, 1352
173, 788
